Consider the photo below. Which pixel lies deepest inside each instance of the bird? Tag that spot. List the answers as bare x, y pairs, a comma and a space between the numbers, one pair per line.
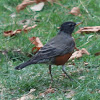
56, 51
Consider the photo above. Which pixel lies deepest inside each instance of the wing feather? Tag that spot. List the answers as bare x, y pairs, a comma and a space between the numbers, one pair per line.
56, 48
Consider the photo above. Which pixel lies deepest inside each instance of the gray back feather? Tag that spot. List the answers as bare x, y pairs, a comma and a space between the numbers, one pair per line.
59, 45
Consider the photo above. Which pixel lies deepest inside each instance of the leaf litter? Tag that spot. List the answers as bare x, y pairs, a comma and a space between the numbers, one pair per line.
82, 78
75, 11
97, 54
49, 90
79, 54
38, 44
70, 93
92, 29
28, 96
25, 3
25, 29
38, 7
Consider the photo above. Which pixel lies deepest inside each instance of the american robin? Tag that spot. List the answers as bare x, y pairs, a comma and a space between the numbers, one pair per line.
57, 51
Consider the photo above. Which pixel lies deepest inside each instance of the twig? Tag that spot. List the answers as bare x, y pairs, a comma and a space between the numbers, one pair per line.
85, 8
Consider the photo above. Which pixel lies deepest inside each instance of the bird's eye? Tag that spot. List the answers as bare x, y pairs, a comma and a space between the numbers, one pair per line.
70, 25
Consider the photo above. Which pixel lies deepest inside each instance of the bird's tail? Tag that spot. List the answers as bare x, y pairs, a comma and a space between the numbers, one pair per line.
21, 66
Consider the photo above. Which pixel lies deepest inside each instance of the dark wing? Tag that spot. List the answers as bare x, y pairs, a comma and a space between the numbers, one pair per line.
57, 46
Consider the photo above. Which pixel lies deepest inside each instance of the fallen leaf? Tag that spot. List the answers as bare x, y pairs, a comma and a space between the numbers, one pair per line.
70, 94
36, 41
8, 33
79, 54
38, 7
85, 63
31, 91
42, 94
51, 1
75, 11
91, 29
25, 29
97, 54
25, 3
81, 78
97, 90
27, 97
38, 1
38, 44
29, 28
49, 90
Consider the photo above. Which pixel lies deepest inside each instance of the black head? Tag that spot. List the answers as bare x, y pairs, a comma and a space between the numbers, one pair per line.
68, 27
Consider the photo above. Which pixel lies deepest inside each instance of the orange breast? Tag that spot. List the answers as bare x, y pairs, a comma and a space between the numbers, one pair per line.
61, 60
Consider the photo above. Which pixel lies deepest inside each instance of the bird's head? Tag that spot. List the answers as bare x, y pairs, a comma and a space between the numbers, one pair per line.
68, 27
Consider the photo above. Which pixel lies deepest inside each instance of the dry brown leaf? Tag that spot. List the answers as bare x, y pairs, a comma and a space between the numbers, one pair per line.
28, 96
25, 29
36, 41
38, 44
97, 54
97, 90
85, 63
49, 90
81, 78
79, 54
70, 94
38, 7
42, 94
91, 29
25, 3
38, 1
75, 11
31, 91
51, 1
29, 28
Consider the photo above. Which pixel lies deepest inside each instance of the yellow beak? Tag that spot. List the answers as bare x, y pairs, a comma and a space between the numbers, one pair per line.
78, 23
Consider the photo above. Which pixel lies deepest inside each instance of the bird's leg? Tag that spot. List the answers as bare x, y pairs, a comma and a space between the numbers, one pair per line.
50, 73
63, 69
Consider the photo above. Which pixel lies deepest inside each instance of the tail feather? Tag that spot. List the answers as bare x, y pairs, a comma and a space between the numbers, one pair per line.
21, 66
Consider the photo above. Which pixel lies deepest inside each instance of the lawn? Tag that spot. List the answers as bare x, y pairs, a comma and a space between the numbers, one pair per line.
14, 84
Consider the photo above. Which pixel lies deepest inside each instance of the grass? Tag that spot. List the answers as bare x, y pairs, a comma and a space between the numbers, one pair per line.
14, 84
